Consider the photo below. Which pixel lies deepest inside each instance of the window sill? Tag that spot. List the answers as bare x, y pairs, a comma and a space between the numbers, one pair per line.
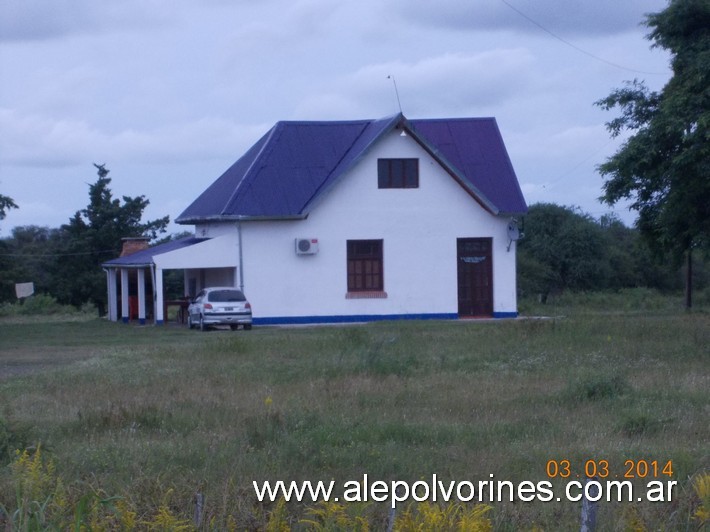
372, 294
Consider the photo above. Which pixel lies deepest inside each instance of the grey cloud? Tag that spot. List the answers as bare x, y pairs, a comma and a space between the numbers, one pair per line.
37, 19
460, 83
578, 18
44, 141
28, 20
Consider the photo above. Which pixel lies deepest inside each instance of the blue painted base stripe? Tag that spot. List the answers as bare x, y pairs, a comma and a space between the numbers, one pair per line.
125, 320
304, 320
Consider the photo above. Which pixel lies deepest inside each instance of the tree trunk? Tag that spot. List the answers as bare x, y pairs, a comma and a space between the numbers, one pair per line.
689, 280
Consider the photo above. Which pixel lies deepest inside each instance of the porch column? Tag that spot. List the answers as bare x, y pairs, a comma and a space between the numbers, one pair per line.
141, 296
124, 295
159, 305
112, 296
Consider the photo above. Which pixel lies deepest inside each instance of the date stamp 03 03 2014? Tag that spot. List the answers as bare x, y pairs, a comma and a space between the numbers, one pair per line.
603, 469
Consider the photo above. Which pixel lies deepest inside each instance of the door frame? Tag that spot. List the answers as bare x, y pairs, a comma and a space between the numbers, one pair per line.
487, 311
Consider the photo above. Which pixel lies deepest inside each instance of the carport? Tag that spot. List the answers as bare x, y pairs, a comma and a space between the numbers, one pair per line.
205, 262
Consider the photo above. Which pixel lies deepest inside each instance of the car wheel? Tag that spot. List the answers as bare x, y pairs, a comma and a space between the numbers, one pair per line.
234, 327
203, 327
247, 326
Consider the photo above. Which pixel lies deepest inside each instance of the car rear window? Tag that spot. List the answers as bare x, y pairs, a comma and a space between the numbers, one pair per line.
225, 296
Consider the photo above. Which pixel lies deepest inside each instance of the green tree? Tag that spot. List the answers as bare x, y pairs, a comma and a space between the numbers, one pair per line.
563, 249
632, 262
29, 253
93, 236
7, 272
623, 253
566, 249
6, 203
664, 166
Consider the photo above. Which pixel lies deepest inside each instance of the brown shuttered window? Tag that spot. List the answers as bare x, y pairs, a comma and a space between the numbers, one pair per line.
365, 266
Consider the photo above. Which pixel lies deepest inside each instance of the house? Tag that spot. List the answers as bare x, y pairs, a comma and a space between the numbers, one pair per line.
352, 221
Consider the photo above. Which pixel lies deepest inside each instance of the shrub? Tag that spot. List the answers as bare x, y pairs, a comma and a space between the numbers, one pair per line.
13, 436
639, 424
41, 305
597, 387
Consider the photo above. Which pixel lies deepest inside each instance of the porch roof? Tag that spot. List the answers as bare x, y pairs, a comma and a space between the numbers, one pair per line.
144, 258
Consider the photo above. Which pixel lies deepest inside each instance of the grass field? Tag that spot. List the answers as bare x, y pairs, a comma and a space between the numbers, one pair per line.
153, 415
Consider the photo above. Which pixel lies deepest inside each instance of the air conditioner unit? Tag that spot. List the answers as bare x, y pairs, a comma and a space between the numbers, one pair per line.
306, 246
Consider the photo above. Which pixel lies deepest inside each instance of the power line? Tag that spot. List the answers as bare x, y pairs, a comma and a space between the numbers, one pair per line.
49, 255
579, 164
574, 46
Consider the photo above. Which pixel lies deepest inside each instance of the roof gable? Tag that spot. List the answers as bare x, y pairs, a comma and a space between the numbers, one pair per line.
474, 150
290, 167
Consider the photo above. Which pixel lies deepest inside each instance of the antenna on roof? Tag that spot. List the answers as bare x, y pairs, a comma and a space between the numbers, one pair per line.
396, 92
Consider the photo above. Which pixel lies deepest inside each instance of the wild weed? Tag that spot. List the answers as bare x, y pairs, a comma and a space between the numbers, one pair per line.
429, 516
332, 516
278, 518
701, 486
39, 493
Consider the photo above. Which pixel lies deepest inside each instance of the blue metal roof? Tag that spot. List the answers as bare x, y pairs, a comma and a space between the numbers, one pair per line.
473, 148
144, 257
290, 167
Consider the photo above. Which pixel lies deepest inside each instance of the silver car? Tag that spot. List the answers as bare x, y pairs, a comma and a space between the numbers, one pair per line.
219, 305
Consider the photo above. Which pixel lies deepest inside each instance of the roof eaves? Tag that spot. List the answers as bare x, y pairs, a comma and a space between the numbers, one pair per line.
451, 169
127, 265
512, 170
238, 218
513, 213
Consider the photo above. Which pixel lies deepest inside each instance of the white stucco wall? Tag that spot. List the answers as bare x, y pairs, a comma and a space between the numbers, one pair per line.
419, 227
221, 250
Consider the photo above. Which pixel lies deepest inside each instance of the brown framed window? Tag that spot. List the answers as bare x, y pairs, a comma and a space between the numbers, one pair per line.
365, 267
398, 173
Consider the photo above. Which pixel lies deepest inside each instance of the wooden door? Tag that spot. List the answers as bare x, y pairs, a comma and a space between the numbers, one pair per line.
475, 276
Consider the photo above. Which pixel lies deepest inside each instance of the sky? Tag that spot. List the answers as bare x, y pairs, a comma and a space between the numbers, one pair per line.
168, 94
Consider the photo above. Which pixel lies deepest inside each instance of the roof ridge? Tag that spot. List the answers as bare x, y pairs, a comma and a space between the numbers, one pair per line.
326, 183
453, 119
257, 156
331, 171
321, 122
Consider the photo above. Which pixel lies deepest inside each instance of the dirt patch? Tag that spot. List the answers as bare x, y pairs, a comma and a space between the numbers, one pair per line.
19, 362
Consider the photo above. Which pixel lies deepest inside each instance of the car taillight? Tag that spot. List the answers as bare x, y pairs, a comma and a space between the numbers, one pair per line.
248, 305
208, 306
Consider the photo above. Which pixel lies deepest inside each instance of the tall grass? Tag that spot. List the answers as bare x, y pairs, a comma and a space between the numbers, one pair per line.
144, 412
627, 300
